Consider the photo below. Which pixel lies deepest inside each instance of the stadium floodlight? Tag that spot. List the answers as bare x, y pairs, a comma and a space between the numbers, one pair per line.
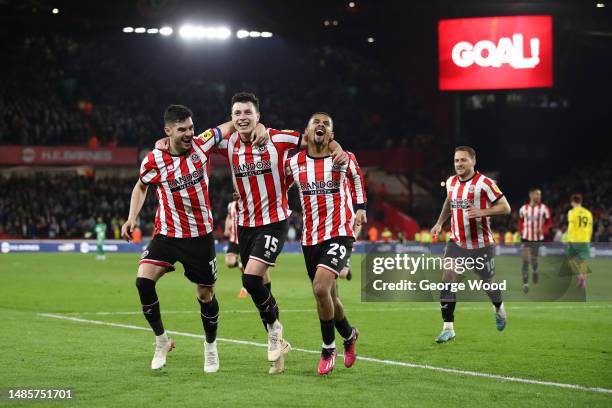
165, 31
601, 5
200, 32
370, 40
352, 4
140, 30
266, 34
335, 22
128, 29
55, 11
242, 34
255, 34
152, 31
326, 23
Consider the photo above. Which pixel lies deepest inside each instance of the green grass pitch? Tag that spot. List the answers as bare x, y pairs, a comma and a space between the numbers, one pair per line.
108, 366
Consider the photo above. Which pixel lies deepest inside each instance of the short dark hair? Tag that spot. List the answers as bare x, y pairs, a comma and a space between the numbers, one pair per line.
246, 97
176, 113
321, 113
576, 198
467, 149
532, 189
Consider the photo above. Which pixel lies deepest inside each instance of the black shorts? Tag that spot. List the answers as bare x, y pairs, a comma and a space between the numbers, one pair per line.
262, 243
534, 245
332, 255
232, 248
479, 260
197, 255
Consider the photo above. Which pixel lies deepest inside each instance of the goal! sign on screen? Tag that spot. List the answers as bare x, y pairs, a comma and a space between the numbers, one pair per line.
495, 53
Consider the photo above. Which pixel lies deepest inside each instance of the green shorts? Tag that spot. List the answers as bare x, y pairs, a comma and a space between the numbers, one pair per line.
580, 250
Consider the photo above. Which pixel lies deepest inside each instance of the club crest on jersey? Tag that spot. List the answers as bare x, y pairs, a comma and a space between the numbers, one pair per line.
195, 157
206, 135
144, 254
262, 149
471, 189
302, 168
170, 167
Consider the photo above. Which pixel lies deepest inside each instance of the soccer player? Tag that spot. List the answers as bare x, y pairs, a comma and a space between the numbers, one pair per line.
258, 176
232, 259
328, 231
357, 190
579, 231
534, 219
183, 226
471, 199
100, 230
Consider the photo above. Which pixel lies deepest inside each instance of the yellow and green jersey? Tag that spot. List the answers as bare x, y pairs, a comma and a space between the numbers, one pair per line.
580, 225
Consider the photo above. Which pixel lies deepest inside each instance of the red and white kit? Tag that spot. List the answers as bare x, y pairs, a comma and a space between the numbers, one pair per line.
259, 176
532, 219
182, 187
481, 192
232, 210
326, 196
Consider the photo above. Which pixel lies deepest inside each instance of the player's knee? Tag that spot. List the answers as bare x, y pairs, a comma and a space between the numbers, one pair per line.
230, 260
205, 293
321, 289
251, 282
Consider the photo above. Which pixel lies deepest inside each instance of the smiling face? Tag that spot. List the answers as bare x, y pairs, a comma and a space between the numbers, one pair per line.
244, 117
320, 129
181, 134
464, 164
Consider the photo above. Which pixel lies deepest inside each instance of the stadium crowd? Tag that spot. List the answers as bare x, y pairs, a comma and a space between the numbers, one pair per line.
75, 91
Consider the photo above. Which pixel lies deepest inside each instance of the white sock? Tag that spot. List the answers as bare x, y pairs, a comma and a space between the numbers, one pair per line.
162, 338
500, 308
448, 326
274, 326
329, 346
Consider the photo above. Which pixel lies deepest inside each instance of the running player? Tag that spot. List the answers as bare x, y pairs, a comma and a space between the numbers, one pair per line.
534, 219
232, 259
183, 226
327, 234
471, 199
579, 233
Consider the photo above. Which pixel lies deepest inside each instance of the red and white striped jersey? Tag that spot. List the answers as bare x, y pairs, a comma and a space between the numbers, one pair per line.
327, 209
182, 187
232, 210
258, 175
481, 192
533, 218
356, 184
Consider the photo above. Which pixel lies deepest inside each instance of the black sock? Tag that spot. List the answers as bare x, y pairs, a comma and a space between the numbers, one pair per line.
344, 328
209, 312
496, 297
525, 272
150, 304
327, 331
534, 265
448, 301
263, 299
276, 310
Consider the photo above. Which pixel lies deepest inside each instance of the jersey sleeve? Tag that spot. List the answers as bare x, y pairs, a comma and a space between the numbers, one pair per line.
285, 139
355, 177
149, 172
208, 140
491, 190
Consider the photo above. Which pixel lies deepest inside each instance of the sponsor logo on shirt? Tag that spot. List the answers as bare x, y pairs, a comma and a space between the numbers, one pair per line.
252, 169
320, 187
186, 181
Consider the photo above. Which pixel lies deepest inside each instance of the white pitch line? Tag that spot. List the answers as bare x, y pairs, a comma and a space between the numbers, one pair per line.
312, 310
369, 359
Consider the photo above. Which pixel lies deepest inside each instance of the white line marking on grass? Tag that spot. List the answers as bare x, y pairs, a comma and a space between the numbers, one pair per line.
353, 310
368, 359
